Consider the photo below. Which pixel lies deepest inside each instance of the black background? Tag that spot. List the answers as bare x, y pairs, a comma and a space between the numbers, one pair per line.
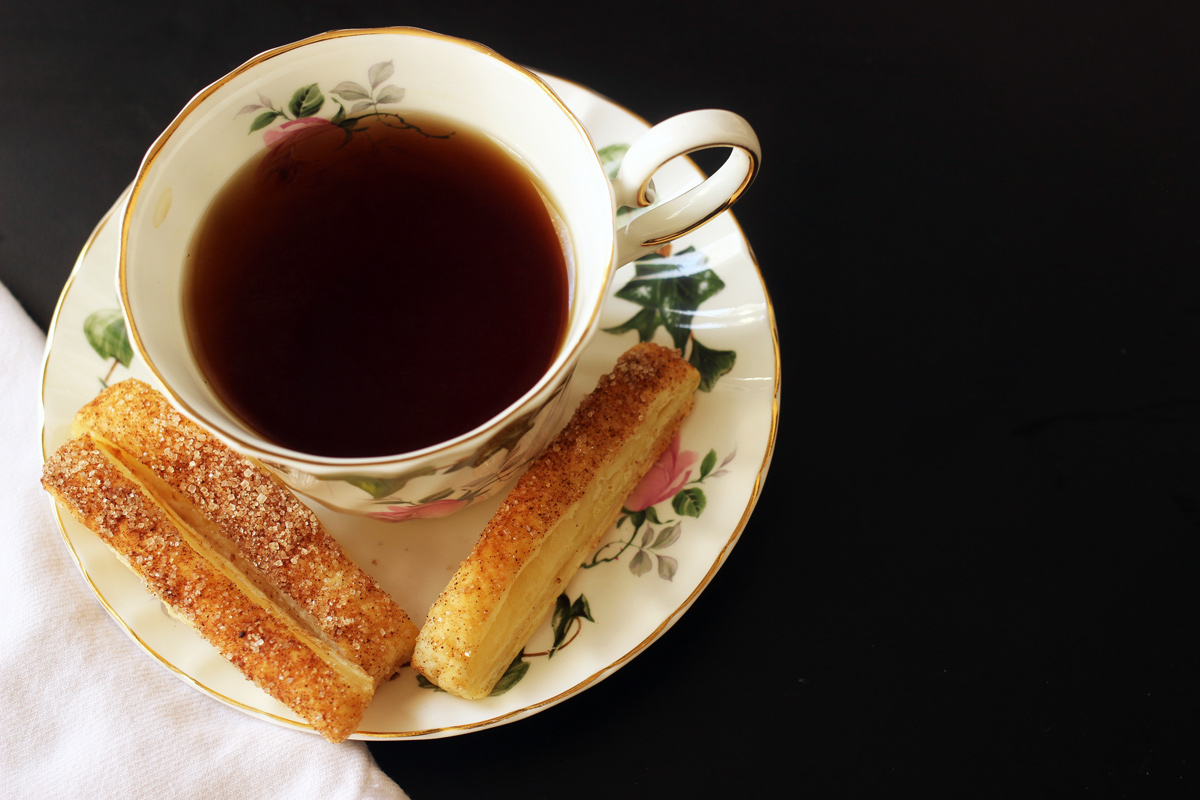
972, 571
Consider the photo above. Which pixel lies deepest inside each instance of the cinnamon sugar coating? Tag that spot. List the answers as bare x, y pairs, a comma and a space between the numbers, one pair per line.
611, 419
552, 518
267, 524
255, 639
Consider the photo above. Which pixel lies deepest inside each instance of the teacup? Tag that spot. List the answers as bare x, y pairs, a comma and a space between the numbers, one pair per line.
407, 71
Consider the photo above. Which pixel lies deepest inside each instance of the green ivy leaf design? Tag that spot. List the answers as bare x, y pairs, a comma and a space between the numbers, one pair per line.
512, 676
711, 364
689, 502
706, 466
306, 101
670, 289
641, 563
105, 332
645, 322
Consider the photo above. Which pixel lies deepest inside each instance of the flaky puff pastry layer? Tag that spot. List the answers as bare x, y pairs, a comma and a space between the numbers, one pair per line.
240, 507
552, 518
319, 684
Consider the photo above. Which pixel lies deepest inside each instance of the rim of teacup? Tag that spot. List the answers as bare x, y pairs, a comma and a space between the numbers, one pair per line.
550, 383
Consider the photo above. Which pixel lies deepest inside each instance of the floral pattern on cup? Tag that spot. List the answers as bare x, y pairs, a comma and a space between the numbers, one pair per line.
425, 495
433, 510
497, 461
300, 118
415, 497
296, 129
669, 287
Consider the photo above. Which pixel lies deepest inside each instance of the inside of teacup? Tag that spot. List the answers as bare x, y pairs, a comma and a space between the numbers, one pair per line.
335, 82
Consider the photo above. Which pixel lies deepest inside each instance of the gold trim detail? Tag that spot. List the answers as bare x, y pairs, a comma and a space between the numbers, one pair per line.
643, 198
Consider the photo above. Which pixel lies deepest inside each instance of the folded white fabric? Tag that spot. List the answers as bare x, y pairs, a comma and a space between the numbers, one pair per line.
85, 712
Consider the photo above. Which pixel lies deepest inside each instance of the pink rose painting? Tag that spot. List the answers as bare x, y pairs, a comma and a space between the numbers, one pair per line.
295, 134
664, 480
652, 530
434, 510
296, 122
295, 130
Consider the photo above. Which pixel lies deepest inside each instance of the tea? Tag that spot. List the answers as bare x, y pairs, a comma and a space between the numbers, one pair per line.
375, 290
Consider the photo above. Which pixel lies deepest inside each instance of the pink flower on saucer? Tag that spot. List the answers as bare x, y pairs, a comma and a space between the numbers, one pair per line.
434, 510
293, 130
664, 479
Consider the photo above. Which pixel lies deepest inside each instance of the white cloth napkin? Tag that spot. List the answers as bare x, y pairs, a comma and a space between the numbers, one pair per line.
84, 712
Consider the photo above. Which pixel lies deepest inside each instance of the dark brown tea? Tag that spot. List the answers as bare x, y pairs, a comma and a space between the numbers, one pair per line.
372, 290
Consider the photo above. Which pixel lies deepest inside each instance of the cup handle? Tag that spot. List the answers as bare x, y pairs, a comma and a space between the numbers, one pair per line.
679, 135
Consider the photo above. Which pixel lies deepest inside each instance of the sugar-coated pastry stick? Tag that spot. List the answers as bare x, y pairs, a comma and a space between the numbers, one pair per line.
291, 664
232, 552
241, 508
551, 520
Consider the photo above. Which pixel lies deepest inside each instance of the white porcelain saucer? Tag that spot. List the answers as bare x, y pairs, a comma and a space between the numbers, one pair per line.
647, 571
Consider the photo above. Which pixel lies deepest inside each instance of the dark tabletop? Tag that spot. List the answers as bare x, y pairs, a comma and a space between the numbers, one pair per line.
970, 568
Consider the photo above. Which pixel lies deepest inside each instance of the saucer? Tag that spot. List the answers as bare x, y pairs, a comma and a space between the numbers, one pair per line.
705, 295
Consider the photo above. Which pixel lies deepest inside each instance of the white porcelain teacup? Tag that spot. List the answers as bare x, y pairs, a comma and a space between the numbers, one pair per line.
451, 78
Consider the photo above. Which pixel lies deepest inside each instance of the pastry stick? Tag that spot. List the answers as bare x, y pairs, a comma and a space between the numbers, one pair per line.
231, 612
552, 519
243, 511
